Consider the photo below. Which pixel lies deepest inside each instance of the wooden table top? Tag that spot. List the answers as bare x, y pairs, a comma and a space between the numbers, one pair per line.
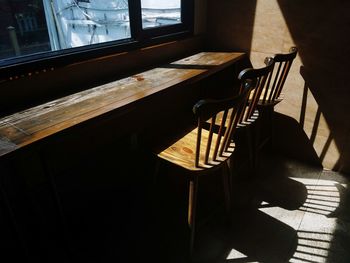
34, 124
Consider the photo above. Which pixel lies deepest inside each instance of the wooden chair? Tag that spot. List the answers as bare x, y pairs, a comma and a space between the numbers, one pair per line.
248, 121
272, 94
201, 151
258, 81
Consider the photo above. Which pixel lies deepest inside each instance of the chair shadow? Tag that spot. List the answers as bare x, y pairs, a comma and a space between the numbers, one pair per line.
341, 233
322, 70
282, 192
292, 141
253, 236
275, 186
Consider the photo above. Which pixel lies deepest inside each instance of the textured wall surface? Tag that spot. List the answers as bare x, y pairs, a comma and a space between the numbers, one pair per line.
312, 121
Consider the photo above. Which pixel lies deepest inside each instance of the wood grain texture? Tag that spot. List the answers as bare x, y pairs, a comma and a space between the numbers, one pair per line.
182, 152
37, 123
202, 149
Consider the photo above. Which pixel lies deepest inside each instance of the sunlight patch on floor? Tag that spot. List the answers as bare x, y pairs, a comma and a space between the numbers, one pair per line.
236, 255
318, 221
312, 247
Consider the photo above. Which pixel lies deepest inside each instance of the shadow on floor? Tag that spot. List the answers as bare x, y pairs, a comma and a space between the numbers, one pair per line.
297, 213
253, 236
287, 212
291, 138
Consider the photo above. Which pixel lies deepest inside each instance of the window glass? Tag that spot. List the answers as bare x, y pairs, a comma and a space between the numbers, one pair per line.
33, 32
156, 13
85, 22
23, 28
32, 26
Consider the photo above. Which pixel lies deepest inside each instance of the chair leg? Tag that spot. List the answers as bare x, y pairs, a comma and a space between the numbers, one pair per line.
192, 203
258, 144
251, 147
272, 128
255, 146
227, 184
230, 170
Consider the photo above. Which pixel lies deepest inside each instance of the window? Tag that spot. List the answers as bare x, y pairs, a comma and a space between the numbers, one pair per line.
47, 30
157, 13
74, 23
23, 28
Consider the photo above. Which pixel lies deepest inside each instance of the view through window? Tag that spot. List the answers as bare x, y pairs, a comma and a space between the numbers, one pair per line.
23, 28
74, 23
34, 26
160, 13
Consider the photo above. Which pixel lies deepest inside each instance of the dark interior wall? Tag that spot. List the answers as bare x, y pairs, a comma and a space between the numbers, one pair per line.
230, 24
312, 121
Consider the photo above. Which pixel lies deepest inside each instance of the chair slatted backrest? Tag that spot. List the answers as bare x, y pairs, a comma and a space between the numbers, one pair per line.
217, 142
258, 79
283, 63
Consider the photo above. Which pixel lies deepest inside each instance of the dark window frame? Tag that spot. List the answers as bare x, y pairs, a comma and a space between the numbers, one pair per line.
20, 66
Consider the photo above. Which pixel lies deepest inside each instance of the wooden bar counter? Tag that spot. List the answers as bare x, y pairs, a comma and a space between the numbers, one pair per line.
37, 123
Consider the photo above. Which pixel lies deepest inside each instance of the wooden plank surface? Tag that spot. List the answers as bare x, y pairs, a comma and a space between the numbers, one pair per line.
39, 122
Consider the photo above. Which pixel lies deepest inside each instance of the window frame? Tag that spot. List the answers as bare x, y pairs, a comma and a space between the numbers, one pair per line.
20, 66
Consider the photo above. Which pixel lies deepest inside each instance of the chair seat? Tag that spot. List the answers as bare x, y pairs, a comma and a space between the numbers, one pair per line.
181, 152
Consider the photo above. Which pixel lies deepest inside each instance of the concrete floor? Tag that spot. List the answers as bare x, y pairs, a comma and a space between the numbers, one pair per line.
292, 213
286, 212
